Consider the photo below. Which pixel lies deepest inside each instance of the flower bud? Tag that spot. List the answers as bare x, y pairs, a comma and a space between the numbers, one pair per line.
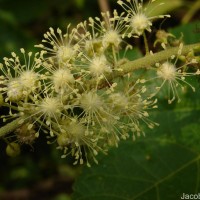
63, 140
26, 134
13, 149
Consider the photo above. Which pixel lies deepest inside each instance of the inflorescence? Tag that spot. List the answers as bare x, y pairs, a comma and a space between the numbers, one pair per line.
66, 90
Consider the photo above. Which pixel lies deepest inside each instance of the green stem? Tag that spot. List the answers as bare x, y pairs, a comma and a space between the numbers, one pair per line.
145, 62
146, 43
10, 106
10, 127
114, 55
128, 67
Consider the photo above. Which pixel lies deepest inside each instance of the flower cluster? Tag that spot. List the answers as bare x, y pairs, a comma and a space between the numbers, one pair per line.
69, 90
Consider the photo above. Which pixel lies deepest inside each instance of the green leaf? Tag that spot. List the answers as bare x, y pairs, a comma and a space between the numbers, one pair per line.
80, 3
161, 166
155, 9
190, 31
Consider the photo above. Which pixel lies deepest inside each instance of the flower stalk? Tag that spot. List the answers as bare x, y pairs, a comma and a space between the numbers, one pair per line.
146, 62
10, 127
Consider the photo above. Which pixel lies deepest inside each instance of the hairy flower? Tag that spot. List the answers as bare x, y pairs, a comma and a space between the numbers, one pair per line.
138, 17
49, 106
92, 105
99, 66
95, 110
131, 107
62, 78
62, 48
90, 41
44, 111
20, 79
101, 35
14, 91
78, 140
82, 92
96, 67
110, 29
174, 76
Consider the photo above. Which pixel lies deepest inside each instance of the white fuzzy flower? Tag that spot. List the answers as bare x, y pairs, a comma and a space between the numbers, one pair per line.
102, 35
119, 101
29, 81
44, 111
95, 111
63, 47
131, 107
62, 79
65, 54
99, 66
96, 68
20, 78
139, 23
111, 38
14, 91
174, 76
91, 102
49, 107
111, 29
138, 16
78, 141
167, 71
90, 41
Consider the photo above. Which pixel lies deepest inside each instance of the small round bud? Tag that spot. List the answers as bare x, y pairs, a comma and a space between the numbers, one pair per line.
26, 134
63, 140
13, 149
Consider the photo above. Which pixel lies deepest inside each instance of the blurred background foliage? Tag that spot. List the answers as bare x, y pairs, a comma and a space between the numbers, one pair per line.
23, 23
39, 173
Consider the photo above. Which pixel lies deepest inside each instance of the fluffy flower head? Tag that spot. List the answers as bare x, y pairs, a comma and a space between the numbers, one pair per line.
139, 23
58, 46
138, 17
111, 38
14, 91
91, 102
99, 66
20, 77
167, 71
29, 80
62, 78
50, 106
174, 76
